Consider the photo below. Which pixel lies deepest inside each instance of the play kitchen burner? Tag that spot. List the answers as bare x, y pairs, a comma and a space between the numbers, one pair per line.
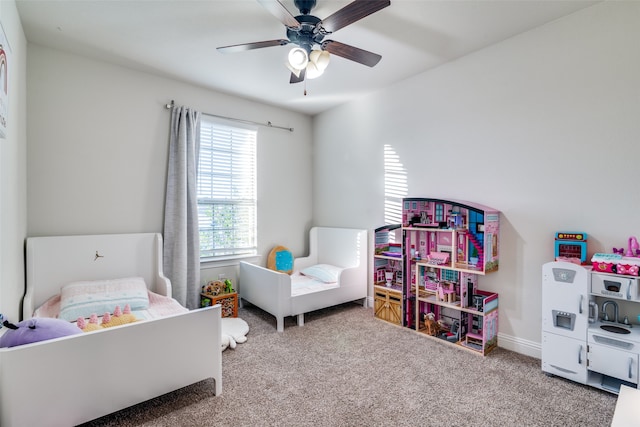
587, 332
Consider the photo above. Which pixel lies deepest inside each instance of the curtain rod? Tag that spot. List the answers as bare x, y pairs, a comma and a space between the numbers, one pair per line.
268, 124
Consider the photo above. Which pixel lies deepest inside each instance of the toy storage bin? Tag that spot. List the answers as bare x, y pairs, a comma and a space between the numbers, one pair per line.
228, 301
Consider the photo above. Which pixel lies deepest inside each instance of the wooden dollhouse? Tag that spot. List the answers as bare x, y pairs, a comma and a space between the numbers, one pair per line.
446, 245
388, 273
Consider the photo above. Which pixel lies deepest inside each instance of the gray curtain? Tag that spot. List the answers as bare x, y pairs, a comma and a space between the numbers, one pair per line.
181, 237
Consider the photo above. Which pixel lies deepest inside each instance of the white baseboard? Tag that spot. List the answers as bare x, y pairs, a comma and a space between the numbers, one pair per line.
519, 345
369, 302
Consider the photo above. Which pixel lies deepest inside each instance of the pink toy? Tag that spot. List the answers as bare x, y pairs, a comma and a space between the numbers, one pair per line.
631, 270
81, 323
438, 258
633, 248
106, 317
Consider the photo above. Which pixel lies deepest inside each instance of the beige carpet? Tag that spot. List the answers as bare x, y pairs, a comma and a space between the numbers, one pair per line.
345, 368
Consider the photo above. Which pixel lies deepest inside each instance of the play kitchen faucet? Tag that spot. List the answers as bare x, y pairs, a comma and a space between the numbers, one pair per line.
605, 315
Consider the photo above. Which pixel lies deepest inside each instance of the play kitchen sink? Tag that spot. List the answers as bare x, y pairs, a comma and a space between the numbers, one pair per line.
610, 323
615, 329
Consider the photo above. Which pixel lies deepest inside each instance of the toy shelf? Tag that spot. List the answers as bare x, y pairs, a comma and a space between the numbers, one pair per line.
469, 328
457, 266
455, 249
391, 258
489, 303
387, 274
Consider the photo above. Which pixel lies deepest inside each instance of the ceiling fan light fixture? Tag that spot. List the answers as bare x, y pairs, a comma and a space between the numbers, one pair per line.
313, 71
320, 58
298, 58
293, 70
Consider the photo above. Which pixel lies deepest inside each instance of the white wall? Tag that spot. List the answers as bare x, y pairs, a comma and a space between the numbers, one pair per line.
98, 145
13, 168
543, 126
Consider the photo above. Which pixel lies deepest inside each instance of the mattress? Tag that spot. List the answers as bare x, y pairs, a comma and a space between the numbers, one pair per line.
302, 285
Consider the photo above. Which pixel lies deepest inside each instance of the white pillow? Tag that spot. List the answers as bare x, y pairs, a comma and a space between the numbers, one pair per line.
323, 272
82, 299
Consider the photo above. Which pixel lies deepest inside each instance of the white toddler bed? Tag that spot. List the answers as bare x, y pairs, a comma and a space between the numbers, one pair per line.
71, 380
283, 295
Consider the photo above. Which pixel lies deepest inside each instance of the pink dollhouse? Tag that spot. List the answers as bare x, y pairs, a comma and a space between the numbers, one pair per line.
447, 245
460, 234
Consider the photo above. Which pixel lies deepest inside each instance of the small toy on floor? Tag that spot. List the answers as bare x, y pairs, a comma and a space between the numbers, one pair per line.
234, 330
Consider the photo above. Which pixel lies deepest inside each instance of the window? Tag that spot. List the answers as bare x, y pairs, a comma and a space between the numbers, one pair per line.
226, 189
439, 216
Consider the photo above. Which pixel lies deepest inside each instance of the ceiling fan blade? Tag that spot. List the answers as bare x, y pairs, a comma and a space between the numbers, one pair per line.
351, 13
352, 53
298, 79
278, 10
254, 45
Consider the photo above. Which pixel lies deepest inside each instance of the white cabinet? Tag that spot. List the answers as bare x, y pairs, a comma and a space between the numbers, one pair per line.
614, 363
564, 357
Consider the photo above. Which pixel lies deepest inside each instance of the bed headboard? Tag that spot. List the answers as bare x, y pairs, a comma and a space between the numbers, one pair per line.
343, 247
55, 261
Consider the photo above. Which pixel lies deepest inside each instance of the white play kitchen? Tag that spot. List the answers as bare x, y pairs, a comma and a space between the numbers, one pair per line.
590, 325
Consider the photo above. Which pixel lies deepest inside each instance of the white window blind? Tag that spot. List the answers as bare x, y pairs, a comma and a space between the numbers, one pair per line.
226, 189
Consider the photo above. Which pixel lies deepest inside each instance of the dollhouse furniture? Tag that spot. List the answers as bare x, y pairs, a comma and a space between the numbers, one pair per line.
71, 380
446, 246
338, 258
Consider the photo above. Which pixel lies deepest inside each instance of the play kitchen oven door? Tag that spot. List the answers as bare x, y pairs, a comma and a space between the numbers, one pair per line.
565, 320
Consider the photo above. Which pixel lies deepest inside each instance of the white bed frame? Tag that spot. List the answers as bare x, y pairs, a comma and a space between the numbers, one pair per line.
271, 290
75, 379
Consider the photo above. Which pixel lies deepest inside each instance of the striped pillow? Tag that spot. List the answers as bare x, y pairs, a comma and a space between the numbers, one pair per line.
82, 299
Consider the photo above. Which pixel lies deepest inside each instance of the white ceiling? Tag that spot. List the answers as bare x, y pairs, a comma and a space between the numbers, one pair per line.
178, 39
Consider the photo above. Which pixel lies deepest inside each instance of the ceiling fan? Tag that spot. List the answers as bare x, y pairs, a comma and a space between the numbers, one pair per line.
308, 32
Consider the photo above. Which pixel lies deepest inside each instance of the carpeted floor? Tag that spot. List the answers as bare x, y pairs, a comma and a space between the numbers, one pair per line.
345, 368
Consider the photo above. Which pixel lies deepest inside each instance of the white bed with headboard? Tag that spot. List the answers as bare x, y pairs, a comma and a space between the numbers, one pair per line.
71, 380
337, 252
